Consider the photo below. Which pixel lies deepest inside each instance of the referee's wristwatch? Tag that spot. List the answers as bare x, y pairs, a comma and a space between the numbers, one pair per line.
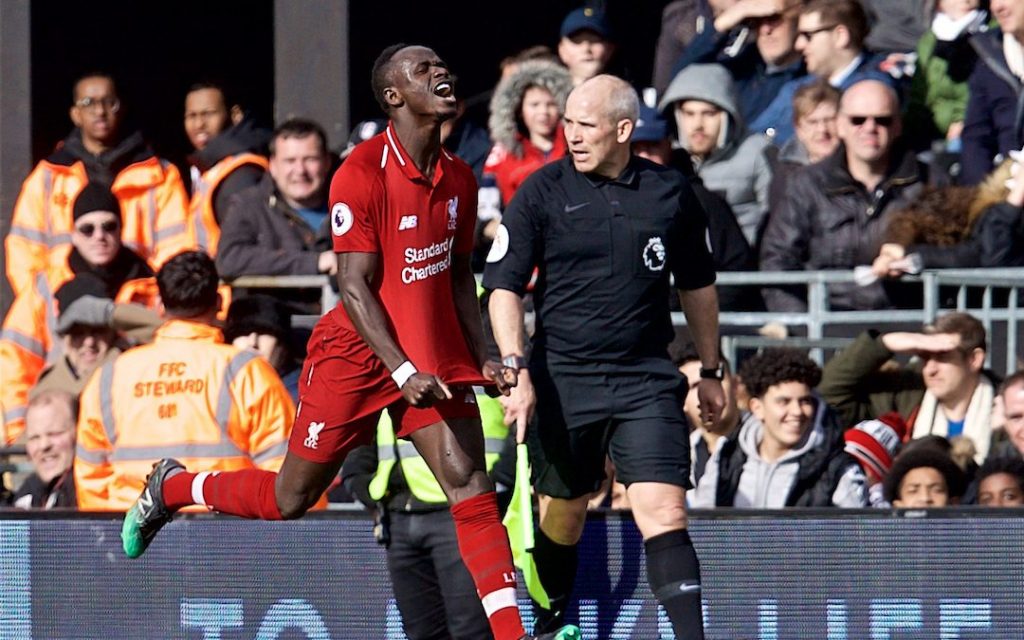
514, 362
716, 373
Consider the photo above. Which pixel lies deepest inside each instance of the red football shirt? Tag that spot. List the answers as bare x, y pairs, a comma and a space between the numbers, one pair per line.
381, 203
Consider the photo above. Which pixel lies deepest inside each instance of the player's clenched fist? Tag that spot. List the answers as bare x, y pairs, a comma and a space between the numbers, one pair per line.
424, 389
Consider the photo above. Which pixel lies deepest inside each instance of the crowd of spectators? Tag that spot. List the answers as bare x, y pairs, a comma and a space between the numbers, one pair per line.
815, 133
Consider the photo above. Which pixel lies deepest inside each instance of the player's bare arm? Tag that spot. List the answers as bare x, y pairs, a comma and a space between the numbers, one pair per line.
506, 309
701, 309
356, 274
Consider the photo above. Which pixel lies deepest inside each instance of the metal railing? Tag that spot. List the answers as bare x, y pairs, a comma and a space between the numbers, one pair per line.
935, 287
328, 298
818, 319
13, 460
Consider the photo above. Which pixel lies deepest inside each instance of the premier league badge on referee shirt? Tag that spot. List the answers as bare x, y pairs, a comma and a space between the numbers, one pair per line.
654, 254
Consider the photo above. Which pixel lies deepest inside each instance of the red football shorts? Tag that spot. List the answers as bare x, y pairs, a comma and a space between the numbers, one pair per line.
342, 391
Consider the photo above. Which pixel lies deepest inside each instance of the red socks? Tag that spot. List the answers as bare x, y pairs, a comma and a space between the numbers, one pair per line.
178, 490
248, 493
483, 543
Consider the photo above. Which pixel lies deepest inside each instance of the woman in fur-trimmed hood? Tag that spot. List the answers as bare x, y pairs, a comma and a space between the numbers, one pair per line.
525, 123
957, 227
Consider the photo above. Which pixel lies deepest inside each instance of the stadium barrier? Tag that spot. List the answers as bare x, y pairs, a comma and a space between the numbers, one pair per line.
13, 459
804, 574
989, 294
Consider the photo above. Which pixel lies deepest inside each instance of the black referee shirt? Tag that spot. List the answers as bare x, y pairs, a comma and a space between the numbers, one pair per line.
604, 250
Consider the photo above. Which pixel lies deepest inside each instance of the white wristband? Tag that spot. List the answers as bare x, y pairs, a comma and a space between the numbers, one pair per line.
402, 374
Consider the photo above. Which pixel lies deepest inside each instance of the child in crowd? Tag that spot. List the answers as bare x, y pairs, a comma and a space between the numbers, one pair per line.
1001, 483
924, 476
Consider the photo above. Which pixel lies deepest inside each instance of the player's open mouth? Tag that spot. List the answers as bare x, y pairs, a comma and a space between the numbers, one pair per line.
444, 89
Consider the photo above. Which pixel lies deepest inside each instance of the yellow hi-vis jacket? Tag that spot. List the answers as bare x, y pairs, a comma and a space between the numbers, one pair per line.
154, 212
417, 474
202, 218
186, 396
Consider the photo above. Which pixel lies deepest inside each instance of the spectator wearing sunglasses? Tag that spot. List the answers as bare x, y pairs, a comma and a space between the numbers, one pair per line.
835, 213
31, 338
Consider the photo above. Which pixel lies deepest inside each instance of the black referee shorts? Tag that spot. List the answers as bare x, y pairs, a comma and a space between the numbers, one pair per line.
633, 414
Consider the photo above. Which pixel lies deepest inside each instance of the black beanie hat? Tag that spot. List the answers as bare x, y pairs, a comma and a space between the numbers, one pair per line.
258, 313
83, 284
95, 197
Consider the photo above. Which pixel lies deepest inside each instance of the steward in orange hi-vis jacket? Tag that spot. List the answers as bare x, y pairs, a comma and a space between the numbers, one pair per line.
28, 340
153, 201
229, 158
152, 198
186, 395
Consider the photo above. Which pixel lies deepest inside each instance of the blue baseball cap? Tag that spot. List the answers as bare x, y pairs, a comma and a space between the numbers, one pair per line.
650, 126
586, 19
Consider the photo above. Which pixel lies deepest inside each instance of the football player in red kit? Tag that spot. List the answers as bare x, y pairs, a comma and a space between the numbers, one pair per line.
407, 337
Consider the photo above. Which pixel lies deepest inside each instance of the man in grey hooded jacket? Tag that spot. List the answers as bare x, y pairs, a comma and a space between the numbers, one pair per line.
789, 451
702, 102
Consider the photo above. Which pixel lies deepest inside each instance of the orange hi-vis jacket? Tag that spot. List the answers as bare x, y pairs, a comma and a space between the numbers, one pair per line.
154, 213
186, 396
29, 341
203, 220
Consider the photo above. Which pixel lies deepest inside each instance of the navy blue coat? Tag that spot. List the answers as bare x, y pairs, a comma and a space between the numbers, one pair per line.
994, 122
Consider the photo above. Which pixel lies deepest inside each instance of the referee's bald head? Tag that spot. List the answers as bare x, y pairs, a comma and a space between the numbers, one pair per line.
619, 98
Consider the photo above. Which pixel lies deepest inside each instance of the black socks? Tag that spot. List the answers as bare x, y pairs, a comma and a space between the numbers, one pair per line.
674, 574
556, 568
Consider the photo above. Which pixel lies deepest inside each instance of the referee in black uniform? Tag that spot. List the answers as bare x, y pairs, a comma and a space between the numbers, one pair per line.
606, 229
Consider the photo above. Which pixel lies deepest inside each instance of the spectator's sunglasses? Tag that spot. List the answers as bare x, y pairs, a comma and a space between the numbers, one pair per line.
882, 121
87, 229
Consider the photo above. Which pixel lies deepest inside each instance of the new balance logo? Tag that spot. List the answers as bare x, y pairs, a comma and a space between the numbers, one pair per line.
313, 438
407, 222
145, 501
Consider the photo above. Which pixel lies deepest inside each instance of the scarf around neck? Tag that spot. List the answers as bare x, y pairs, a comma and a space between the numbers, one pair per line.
977, 424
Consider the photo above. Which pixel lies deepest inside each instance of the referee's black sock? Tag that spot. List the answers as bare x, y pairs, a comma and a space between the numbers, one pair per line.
556, 568
674, 574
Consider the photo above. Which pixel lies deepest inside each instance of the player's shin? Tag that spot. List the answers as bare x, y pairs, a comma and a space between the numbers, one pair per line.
556, 568
248, 493
483, 544
674, 574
